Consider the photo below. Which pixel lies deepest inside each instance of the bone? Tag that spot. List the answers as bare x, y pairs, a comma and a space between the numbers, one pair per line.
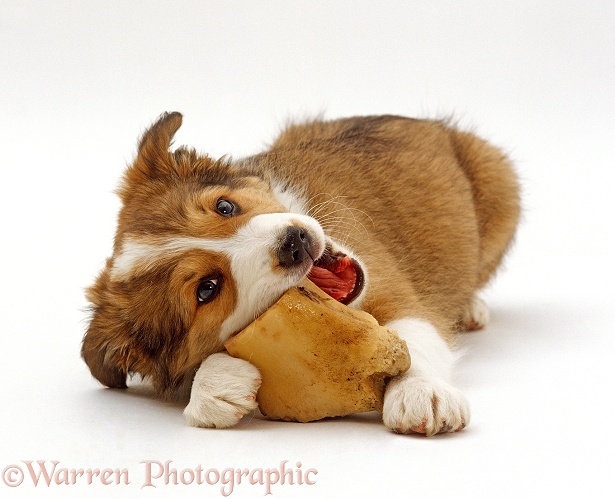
319, 358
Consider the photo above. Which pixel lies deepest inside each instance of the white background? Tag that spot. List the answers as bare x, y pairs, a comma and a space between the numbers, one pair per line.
79, 81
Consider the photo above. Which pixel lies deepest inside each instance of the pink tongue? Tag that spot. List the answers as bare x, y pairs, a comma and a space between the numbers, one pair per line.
338, 282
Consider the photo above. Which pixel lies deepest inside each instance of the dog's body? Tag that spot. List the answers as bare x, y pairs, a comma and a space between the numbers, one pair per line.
425, 213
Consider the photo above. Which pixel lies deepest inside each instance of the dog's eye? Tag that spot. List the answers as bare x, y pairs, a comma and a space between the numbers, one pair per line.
207, 290
225, 207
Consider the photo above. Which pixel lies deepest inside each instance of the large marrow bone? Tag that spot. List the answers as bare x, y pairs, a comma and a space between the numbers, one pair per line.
319, 358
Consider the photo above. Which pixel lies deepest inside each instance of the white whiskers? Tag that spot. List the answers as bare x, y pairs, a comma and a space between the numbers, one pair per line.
346, 222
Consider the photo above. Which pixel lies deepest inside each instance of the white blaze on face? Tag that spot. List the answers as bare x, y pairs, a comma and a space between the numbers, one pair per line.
290, 198
252, 253
253, 258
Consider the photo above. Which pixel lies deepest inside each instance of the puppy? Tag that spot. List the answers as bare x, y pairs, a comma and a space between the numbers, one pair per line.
424, 211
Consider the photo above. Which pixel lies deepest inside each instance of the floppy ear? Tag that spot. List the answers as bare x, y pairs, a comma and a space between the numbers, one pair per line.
154, 160
102, 357
104, 347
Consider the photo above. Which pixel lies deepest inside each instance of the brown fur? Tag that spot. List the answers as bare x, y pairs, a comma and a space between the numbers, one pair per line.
430, 210
149, 323
436, 208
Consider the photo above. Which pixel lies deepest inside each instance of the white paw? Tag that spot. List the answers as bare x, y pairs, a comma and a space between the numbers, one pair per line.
476, 315
424, 405
223, 391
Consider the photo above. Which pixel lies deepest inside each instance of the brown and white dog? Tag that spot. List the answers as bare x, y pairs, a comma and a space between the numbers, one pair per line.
423, 212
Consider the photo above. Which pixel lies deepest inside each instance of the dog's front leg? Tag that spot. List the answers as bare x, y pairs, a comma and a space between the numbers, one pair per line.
223, 391
422, 399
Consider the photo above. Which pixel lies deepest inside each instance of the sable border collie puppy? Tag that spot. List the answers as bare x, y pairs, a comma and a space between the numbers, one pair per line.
424, 212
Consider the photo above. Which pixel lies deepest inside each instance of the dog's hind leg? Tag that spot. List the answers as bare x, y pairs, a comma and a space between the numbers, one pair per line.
496, 193
475, 316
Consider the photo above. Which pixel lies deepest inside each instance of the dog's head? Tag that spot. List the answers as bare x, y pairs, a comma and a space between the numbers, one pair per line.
201, 249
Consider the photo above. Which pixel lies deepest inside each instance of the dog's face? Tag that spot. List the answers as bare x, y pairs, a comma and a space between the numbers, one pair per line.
201, 250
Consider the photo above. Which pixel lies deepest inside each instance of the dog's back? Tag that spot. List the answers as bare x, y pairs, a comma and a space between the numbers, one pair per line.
431, 210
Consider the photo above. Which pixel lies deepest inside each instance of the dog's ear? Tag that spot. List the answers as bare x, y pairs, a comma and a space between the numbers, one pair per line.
154, 160
105, 347
102, 356
154, 146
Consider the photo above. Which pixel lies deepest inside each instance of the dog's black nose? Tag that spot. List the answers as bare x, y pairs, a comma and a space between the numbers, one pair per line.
294, 247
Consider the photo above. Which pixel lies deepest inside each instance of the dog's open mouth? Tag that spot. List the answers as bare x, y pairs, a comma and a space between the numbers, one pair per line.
340, 276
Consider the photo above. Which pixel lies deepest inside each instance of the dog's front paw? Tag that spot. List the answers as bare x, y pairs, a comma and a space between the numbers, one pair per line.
223, 391
424, 405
